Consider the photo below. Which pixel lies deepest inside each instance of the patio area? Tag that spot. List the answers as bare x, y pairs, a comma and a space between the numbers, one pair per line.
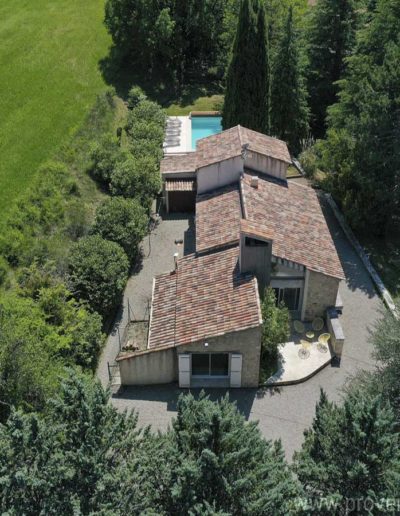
301, 357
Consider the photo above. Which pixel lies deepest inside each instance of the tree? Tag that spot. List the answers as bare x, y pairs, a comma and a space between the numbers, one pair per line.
98, 271
330, 39
105, 155
29, 367
74, 459
247, 96
385, 338
137, 178
135, 96
276, 325
350, 453
289, 110
211, 450
123, 221
361, 151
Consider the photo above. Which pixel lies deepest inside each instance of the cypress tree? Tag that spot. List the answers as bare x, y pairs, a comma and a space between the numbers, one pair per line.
361, 151
221, 462
289, 108
248, 83
331, 38
350, 453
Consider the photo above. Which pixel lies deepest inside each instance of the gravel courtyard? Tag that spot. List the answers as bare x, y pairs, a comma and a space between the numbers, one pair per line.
282, 413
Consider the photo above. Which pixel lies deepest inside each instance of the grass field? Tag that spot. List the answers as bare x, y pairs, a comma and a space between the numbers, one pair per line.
49, 78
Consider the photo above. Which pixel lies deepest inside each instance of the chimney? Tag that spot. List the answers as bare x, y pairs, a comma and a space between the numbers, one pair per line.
176, 256
254, 182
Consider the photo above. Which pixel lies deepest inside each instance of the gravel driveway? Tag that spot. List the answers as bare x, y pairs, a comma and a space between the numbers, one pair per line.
282, 413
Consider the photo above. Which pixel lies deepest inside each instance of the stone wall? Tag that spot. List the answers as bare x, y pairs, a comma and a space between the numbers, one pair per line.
321, 294
161, 366
149, 367
246, 342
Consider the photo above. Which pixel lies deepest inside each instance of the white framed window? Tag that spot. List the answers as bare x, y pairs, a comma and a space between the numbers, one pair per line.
210, 365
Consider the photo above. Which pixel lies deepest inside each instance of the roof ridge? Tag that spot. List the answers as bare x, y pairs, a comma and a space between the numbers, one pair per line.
240, 135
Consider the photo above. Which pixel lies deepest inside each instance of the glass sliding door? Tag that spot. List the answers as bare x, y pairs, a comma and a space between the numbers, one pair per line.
219, 364
210, 364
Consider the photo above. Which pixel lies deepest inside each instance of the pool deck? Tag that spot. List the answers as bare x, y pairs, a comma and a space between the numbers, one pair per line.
185, 136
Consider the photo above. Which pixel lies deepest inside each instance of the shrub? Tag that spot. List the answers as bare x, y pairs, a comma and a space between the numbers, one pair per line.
35, 214
139, 178
123, 221
135, 96
141, 130
148, 111
79, 329
275, 329
105, 155
309, 161
98, 270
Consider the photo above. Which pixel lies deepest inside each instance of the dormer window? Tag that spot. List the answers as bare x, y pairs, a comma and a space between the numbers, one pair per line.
254, 242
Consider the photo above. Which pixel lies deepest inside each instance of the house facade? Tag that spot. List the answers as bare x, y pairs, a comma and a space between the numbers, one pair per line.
254, 229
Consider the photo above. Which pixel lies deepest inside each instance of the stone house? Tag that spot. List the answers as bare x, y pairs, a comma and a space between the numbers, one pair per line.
253, 229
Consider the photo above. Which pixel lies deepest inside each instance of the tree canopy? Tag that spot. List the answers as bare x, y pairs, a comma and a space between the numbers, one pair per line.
247, 95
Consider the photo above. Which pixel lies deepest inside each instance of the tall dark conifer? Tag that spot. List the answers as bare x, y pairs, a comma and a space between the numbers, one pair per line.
351, 453
289, 110
331, 38
248, 78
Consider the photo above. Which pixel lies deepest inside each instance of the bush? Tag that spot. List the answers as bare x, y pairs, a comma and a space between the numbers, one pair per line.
309, 161
141, 130
98, 271
105, 155
147, 111
139, 178
35, 215
275, 329
135, 96
123, 221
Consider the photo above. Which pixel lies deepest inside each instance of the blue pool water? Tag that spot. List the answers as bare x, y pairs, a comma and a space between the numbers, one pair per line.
203, 126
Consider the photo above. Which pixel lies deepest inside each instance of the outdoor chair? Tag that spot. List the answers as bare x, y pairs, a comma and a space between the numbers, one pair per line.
317, 324
298, 327
323, 340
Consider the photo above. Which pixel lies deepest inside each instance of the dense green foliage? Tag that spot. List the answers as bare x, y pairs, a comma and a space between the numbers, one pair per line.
213, 462
275, 329
247, 96
289, 110
361, 152
83, 456
350, 453
98, 270
330, 40
123, 221
175, 36
72, 460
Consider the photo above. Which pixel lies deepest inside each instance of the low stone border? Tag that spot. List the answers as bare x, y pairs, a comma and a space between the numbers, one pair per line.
383, 291
296, 381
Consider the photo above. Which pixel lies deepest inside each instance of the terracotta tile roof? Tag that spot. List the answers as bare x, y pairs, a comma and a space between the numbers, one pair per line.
179, 163
180, 185
229, 143
206, 297
265, 145
218, 217
218, 147
256, 229
293, 213
222, 146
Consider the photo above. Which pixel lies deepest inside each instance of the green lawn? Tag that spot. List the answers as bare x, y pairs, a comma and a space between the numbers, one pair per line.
49, 78
211, 103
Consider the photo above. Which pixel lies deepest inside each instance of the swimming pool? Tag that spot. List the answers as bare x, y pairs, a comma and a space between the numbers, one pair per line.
203, 126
